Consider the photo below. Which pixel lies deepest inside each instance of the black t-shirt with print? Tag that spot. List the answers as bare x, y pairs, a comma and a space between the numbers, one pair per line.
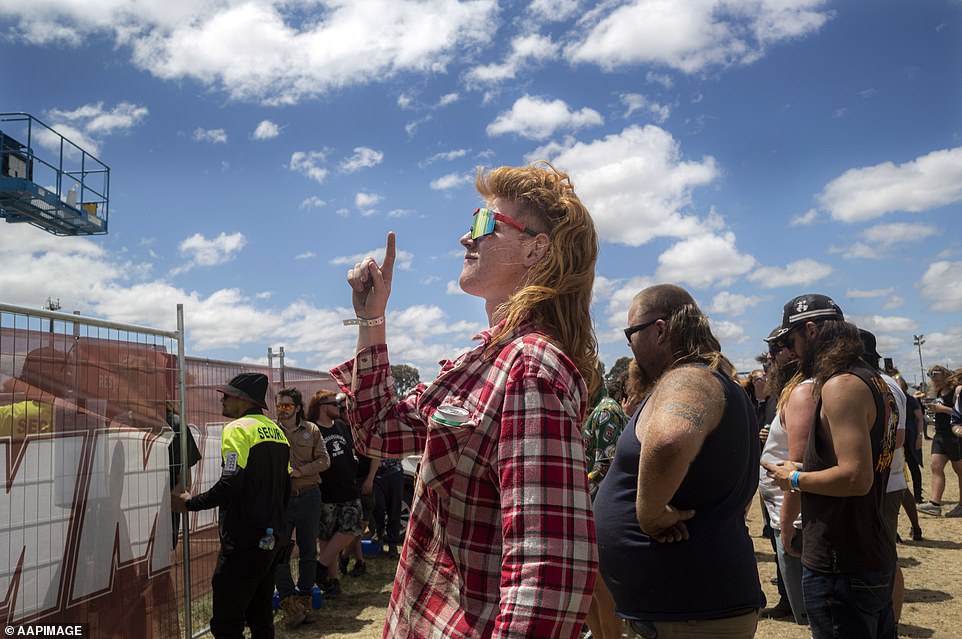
337, 482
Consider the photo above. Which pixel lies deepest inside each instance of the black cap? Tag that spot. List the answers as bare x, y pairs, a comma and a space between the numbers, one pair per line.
249, 386
811, 307
869, 345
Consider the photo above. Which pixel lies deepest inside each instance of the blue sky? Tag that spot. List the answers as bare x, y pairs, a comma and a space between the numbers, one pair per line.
749, 151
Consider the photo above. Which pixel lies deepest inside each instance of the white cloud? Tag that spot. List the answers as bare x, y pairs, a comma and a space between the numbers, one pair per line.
537, 119
363, 158
553, 10
801, 272
855, 293
451, 180
214, 136
453, 288
727, 303
365, 202
404, 101
305, 256
886, 235
805, 219
637, 102
261, 51
928, 182
201, 251
703, 260
884, 324
727, 331
448, 98
635, 184
525, 51
402, 260
692, 36
86, 125
445, 156
940, 285
308, 163
312, 202
266, 130
879, 240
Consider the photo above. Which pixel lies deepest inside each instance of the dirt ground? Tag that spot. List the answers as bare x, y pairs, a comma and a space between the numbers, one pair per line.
932, 569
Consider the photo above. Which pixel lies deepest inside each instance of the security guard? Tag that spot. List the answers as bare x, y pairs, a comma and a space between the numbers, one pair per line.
251, 495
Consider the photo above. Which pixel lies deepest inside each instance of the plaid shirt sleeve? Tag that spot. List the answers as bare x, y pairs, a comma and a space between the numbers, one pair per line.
383, 426
549, 558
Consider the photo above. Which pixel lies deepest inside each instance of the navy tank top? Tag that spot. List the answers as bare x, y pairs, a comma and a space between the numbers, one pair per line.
713, 574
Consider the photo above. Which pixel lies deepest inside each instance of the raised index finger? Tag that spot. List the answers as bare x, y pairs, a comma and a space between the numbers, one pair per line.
390, 252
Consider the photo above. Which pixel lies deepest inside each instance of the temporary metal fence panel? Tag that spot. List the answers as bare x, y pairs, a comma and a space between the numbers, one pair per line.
85, 524
86, 531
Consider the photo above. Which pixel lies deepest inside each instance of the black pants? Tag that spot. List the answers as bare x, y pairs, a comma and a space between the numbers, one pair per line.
914, 470
388, 492
243, 584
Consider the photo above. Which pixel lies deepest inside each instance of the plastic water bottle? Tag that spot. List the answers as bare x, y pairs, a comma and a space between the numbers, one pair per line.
267, 541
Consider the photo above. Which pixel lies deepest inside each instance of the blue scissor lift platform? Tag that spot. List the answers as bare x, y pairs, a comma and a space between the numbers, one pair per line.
64, 191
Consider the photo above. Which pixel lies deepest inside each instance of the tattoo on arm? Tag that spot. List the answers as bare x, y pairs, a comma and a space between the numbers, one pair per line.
688, 412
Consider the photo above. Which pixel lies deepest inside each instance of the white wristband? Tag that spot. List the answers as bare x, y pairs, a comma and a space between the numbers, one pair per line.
357, 321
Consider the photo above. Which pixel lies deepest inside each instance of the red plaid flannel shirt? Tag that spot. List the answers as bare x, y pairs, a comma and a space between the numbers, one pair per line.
501, 541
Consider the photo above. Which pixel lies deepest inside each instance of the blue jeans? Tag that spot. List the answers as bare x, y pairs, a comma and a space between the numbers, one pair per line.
791, 570
852, 605
303, 515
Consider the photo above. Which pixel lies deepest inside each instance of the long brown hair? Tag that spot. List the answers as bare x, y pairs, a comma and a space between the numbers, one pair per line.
689, 332
837, 347
556, 292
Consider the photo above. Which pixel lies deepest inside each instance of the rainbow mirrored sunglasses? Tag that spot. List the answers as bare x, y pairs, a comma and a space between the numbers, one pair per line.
484, 219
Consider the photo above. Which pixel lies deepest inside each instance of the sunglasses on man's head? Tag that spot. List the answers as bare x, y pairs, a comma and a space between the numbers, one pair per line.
484, 219
934, 373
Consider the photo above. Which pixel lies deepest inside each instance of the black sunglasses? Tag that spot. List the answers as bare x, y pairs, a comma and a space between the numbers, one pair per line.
631, 330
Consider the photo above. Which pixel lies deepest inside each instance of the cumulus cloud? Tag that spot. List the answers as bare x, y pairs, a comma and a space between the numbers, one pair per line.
312, 202
637, 102
525, 50
855, 293
445, 156
451, 181
308, 163
87, 125
939, 285
263, 51
928, 182
636, 184
214, 136
703, 260
877, 241
363, 158
266, 130
365, 202
733, 304
692, 36
537, 119
201, 251
805, 219
884, 324
799, 273
551, 10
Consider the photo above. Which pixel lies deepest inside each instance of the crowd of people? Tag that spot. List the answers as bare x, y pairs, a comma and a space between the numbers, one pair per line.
545, 501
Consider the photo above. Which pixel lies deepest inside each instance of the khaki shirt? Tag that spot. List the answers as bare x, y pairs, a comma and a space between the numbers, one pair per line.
308, 455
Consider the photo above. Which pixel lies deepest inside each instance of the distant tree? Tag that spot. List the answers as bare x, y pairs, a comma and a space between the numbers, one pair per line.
619, 369
405, 378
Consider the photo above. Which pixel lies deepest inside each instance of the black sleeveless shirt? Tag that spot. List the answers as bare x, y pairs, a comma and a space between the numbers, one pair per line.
848, 534
711, 575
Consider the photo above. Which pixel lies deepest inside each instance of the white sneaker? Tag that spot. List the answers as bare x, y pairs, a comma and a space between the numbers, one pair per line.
930, 509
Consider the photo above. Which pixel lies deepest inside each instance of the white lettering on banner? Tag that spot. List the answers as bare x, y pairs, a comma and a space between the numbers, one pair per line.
207, 472
33, 523
128, 490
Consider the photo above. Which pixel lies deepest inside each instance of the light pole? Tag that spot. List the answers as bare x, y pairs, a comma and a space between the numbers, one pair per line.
918, 343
